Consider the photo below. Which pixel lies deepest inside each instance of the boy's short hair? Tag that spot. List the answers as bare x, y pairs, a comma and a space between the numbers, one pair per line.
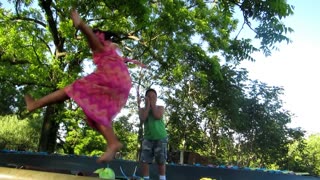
150, 89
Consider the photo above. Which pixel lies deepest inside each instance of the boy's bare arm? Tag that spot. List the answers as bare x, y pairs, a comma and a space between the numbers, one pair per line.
157, 111
143, 114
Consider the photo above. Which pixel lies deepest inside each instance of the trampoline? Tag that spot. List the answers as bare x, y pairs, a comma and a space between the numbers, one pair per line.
24, 165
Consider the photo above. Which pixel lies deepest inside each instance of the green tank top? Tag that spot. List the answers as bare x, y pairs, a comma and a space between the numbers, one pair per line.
154, 129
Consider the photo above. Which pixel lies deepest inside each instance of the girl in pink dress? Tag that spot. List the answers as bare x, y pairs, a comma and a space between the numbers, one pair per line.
101, 94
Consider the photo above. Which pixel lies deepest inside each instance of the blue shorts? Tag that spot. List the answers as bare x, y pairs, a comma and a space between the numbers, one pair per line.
154, 149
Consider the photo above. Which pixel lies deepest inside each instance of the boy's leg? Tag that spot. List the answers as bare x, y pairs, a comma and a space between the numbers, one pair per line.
146, 157
161, 157
162, 169
145, 170
113, 144
51, 98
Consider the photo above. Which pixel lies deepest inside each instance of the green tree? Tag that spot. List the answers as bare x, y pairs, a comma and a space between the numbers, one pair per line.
296, 156
313, 153
18, 134
304, 155
192, 50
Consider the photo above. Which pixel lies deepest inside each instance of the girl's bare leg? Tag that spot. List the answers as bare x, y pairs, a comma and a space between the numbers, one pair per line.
52, 98
113, 144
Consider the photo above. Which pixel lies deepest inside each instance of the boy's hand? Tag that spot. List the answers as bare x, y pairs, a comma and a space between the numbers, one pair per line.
147, 102
152, 102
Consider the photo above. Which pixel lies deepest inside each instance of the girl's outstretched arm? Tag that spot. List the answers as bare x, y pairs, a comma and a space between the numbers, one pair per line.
93, 41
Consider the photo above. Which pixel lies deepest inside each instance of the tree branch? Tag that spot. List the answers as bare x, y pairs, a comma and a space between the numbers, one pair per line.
245, 17
19, 18
24, 83
14, 61
58, 42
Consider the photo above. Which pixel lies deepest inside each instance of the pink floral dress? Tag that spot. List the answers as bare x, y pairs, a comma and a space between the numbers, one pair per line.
103, 93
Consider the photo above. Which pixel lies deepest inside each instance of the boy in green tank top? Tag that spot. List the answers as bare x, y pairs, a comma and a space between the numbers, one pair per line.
154, 145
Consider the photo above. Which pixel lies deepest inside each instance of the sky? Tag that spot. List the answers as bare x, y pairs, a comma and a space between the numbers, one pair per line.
295, 67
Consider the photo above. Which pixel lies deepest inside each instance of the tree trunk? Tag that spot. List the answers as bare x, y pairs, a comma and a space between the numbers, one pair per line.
49, 130
140, 138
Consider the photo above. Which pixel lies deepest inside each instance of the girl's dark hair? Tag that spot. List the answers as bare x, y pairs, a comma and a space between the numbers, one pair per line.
109, 35
150, 89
